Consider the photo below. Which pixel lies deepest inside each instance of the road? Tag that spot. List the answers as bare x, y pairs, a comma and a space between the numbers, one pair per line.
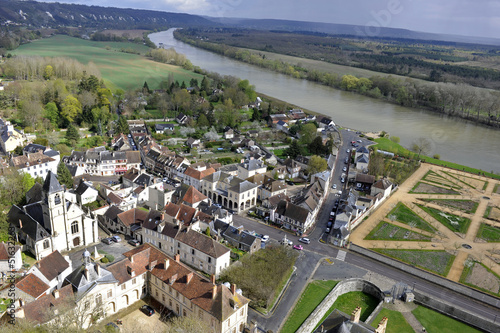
353, 265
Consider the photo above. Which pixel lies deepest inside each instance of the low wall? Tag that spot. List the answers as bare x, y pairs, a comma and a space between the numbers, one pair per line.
456, 313
341, 288
457, 287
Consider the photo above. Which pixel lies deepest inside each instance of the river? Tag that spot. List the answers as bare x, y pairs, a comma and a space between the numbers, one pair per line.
453, 139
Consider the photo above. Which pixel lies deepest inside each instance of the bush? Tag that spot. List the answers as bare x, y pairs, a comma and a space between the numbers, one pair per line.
109, 257
104, 260
436, 156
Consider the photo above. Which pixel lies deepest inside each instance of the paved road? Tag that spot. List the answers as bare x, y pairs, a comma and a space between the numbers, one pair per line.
354, 265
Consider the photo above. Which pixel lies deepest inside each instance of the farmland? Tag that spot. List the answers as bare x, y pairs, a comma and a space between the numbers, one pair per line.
119, 64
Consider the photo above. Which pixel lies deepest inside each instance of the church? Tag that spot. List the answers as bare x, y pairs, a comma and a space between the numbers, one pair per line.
49, 222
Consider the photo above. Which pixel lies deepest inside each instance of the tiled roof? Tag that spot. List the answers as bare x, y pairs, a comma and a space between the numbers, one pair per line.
5, 249
25, 161
193, 173
292, 211
133, 157
131, 174
132, 216
113, 212
32, 285
32, 310
362, 178
113, 198
202, 243
193, 196
52, 265
383, 184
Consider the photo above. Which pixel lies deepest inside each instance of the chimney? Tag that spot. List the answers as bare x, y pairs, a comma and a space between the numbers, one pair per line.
130, 271
172, 279
98, 269
381, 326
20, 313
166, 264
177, 258
355, 315
20, 224
152, 264
212, 278
189, 277
214, 291
131, 258
233, 288
86, 272
162, 217
56, 293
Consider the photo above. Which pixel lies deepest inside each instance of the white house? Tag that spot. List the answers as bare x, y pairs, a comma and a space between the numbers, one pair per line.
251, 168
36, 164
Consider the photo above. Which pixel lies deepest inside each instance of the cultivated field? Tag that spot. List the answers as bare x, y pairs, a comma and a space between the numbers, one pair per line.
443, 221
119, 69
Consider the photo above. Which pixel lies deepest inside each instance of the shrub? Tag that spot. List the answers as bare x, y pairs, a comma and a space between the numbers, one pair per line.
104, 260
436, 156
109, 257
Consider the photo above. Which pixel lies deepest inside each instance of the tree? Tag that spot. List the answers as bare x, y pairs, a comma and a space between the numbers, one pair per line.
31, 111
48, 72
349, 82
293, 150
421, 146
52, 113
316, 164
72, 133
205, 86
64, 176
211, 135
307, 133
202, 121
71, 108
145, 88
316, 146
122, 126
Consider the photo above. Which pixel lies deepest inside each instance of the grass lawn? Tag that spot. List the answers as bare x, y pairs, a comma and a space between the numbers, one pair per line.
451, 221
488, 233
434, 322
349, 301
311, 297
119, 69
438, 262
405, 215
387, 145
387, 231
396, 323
28, 258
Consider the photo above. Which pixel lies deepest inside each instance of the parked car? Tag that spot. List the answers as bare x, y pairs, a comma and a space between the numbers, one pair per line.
342, 180
134, 242
344, 169
116, 239
305, 240
334, 186
327, 230
348, 150
360, 141
149, 311
298, 247
107, 241
265, 238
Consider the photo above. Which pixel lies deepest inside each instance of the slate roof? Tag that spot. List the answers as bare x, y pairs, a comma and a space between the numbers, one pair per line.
383, 184
242, 237
339, 322
252, 165
51, 184
29, 225
82, 187
52, 265
33, 148
72, 169
202, 243
112, 213
243, 186
82, 285
162, 127
363, 158
292, 211
362, 150
144, 180
32, 285
34, 194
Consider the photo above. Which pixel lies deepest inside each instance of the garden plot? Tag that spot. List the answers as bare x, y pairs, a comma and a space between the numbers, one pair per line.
433, 177
488, 233
481, 277
432, 189
494, 214
451, 221
469, 181
466, 206
405, 215
438, 262
387, 231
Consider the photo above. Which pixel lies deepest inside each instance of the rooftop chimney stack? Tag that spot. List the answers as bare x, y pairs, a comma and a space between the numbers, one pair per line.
56, 293
166, 264
212, 278
233, 288
356, 314
381, 326
214, 291
177, 258
86, 272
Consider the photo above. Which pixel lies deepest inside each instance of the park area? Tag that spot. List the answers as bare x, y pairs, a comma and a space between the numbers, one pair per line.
443, 221
122, 64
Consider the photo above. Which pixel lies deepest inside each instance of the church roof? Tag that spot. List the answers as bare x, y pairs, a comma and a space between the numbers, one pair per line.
51, 184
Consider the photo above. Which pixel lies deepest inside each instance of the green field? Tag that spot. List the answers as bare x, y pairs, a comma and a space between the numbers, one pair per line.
438, 262
396, 322
119, 69
309, 300
489, 233
435, 322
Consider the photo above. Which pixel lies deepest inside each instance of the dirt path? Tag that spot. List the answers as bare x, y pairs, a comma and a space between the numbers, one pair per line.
444, 239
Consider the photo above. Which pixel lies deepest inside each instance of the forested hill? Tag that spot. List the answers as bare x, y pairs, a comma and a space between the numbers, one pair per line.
40, 14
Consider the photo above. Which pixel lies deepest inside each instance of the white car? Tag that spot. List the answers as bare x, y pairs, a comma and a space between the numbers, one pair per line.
265, 238
334, 186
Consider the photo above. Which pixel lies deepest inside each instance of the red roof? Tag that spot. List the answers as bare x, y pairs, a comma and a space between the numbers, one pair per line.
32, 286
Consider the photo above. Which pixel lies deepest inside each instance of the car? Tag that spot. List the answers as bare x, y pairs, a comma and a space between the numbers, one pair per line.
355, 145
305, 240
327, 230
342, 180
334, 186
360, 141
329, 225
107, 241
332, 213
134, 242
149, 311
359, 185
116, 239
298, 247
348, 150
344, 169
289, 182
265, 238
346, 160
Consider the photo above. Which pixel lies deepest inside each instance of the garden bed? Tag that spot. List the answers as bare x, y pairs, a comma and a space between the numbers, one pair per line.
478, 276
425, 188
388, 231
405, 215
451, 221
466, 206
438, 262
489, 233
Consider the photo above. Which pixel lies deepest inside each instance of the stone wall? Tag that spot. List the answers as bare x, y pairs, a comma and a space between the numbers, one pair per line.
456, 313
341, 288
457, 287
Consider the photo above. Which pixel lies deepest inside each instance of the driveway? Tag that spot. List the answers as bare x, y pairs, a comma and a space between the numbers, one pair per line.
137, 321
114, 249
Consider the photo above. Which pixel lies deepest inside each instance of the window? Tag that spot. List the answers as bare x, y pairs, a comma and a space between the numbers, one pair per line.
177, 308
46, 244
209, 260
201, 314
184, 314
177, 294
74, 227
178, 244
192, 251
156, 293
98, 299
134, 281
228, 322
170, 289
57, 199
124, 286
163, 297
242, 312
170, 302
110, 293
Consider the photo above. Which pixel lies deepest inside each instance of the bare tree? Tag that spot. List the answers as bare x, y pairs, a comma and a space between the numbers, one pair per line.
421, 146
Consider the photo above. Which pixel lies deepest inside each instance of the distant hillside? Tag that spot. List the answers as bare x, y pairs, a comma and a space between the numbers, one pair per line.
346, 29
40, 14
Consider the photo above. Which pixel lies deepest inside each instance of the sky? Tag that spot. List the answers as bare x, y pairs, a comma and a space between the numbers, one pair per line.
458, 17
